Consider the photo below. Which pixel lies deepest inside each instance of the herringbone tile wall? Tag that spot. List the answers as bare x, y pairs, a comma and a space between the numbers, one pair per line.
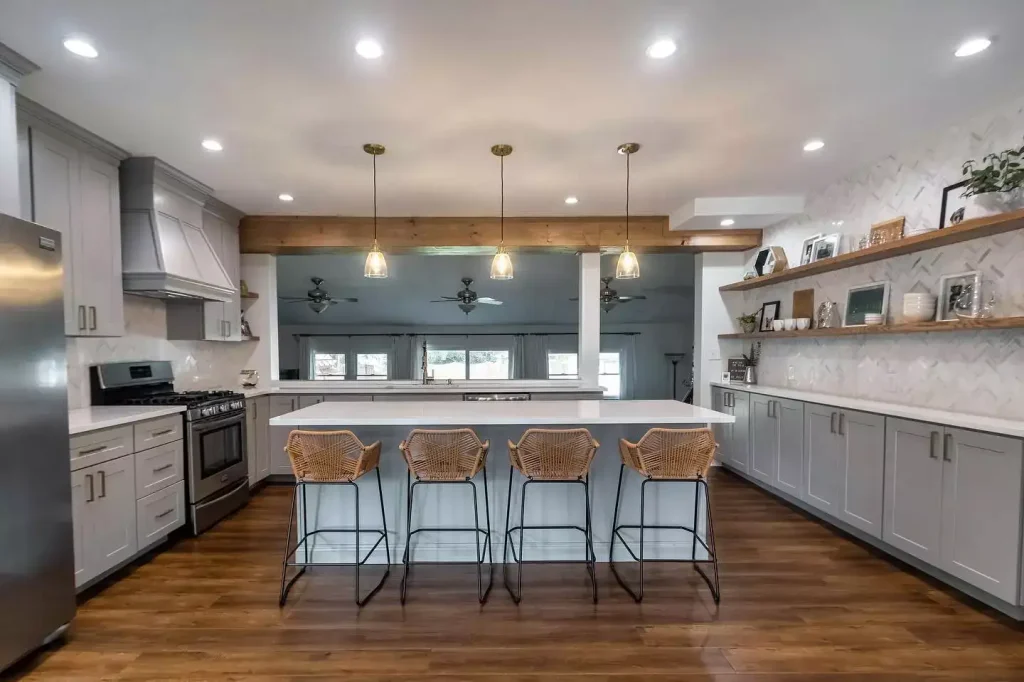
976, 372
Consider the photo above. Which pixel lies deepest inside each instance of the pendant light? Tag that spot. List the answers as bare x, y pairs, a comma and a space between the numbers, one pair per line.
628, 267
501, 266
376, 267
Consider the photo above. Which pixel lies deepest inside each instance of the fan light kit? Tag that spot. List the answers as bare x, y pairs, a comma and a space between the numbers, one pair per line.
376, 267
501, 266
627, 267
467, 298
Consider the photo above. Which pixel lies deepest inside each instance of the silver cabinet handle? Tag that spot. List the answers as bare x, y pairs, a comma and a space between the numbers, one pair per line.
103, 484
947, 448
163, 468
832, 423
92, 491
81, 318
842, 418
92, 316
227, 325
93, 451
932, 450
163, 514
161, 433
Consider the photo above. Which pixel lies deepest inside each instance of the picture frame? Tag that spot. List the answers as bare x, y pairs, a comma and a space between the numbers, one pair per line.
825, 247
768, 313
863, 299
769, 260
946, 209
887, 231
950, 288
725, 377
737, 370
807, 249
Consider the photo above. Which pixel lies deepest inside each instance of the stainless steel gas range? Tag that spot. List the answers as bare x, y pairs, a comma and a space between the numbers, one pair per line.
215, 447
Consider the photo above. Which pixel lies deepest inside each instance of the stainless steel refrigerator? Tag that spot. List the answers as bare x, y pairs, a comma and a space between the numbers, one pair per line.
37, 584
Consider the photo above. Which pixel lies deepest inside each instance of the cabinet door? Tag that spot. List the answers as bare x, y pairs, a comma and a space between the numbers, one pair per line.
251, 443
913, 488
862, 439
262, 435
24, 172
82, 482
112, 536
981, 508
739, 440
789, 468
764, 438
279, 462
56, 196
823, 459
232, 264
307, 400
721, 431
214, 319
98, 248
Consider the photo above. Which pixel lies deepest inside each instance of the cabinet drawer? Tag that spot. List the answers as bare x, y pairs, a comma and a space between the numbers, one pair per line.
160, 513
158, 467
96, 447
154, 432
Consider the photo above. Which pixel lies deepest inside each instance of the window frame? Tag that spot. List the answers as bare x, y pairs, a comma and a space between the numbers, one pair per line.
351, 348
470, 343
563, 377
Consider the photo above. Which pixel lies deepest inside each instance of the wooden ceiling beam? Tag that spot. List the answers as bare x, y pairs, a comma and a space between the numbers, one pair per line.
328, 234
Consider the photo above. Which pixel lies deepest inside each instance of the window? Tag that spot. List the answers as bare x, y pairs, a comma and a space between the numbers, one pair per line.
488, 364
563, 366
609, 374
329, 366
446, 364
371, 366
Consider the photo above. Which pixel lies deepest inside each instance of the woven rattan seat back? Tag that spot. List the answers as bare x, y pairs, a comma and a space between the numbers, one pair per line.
554, 455
453, 455
671, 453
330, 456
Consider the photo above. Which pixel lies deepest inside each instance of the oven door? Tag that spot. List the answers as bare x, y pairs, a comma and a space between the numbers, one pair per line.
217, 454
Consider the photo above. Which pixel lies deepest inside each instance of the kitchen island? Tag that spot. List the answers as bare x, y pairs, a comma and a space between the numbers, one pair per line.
499, 422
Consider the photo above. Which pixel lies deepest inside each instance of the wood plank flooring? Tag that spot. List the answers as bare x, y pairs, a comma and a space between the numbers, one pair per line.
799, 602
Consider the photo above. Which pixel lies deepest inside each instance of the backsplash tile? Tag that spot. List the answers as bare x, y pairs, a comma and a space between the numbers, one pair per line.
197, 364
974, 372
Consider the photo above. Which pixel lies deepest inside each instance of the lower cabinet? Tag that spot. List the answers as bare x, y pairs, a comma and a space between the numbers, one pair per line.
789, 468
160, 513
278, 435
103, 498
307, 400
822, 459
764, 438
733, 439
257, 416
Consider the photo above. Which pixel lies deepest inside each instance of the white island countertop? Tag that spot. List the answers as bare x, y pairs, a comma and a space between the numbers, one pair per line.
414, 387
527, 412
106, 416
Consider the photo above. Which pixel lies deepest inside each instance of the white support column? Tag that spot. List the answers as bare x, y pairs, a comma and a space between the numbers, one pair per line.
260, 274
590, 317
12, 68
711, 318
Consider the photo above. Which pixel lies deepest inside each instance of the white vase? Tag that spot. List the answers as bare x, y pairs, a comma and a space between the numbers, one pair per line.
994, 203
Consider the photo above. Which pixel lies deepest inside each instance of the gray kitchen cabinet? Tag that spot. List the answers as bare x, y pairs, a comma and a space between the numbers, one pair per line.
789, 469
307, 400
80, 497
222, 320
733, 439
103, 507
262, 436
721, 431
279, 405
764, 438
78, 194
981, 511
348, 398
822, 459
862, 443
417, 397
913, 488
251, 445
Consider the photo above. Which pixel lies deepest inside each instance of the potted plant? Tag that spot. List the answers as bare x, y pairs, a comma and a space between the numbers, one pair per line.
751, 361
995, 184
748, 322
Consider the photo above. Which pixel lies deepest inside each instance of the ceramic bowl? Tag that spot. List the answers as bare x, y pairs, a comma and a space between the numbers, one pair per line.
919, 315
803, 323
872, 319
790, 324
778, 325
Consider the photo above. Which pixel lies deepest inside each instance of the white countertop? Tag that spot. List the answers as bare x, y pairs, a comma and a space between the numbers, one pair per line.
531, 412
103, 417
1006, 427
413, 387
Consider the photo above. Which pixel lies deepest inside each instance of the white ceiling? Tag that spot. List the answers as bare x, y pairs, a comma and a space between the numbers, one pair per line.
539, 294
564, 82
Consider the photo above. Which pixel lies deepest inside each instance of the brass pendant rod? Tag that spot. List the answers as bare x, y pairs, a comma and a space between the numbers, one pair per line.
502, 221
375, 198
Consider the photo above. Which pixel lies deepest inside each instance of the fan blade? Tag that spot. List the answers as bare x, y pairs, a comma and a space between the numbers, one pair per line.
623, 299
293, 299
487, 300
346, 300
446, 300
575, 298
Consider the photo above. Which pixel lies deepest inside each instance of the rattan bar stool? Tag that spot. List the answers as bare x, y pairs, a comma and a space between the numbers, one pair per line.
549, 456
331, 458
452, 457
669, 456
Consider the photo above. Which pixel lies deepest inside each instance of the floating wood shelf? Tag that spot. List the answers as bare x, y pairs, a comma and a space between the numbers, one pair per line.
250, 296
250, 338
909, 328
969, 229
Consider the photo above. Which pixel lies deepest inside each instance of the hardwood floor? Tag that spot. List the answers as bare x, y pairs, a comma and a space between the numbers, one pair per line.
798, 603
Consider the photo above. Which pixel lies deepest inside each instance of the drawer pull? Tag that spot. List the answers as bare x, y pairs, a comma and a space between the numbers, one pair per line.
163, 468
93, 451
163, 514
161, 433
92, 490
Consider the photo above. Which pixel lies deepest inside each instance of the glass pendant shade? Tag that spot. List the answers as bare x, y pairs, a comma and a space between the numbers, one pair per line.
376, 267
627, 267
501, 266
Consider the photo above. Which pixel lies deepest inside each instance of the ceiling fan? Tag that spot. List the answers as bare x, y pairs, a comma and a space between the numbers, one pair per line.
467, 298
610, 297
318, 299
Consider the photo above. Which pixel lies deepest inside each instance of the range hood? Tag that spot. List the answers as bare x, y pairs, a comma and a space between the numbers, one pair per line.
164, 251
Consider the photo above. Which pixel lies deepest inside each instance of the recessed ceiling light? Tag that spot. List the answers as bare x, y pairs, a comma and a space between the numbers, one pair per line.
972, 46
212, 145
837, 223
813, 145
572, 200
81, 47
728, 222
367, 48
286, 197
661, 49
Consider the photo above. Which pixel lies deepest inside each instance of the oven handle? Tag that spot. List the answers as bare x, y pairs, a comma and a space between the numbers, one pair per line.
215, 422
221, 494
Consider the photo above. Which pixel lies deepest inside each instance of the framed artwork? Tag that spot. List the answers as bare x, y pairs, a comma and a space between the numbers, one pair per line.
768, 313
951, 212
867, 298
737, 369
725, 377
807, 250
950, 288
770, 259
825, 247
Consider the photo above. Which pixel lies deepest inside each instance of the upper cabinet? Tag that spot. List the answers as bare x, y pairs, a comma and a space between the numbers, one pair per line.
73, 188
223, 321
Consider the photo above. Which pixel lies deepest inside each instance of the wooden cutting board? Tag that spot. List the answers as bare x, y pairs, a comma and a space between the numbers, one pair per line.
803, 303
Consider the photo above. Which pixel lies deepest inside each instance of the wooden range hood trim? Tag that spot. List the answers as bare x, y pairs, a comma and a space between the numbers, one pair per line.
329, 234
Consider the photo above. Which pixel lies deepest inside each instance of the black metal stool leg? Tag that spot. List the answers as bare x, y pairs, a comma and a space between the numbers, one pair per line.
356, 487
384, 520
712, 551
487, 544
289, 550
408, 535
589, 538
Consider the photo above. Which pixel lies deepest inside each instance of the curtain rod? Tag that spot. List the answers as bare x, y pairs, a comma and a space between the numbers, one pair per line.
395, 335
